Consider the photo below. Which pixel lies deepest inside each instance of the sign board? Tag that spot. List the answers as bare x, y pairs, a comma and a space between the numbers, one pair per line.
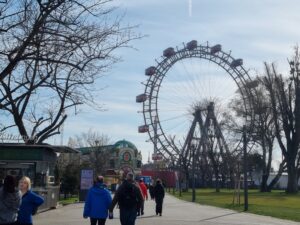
86, 179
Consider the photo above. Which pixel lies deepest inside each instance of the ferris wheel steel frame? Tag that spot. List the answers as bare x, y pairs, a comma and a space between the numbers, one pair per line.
233, 67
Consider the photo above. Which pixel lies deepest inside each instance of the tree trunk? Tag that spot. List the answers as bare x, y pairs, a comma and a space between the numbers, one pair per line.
187, 179
217, 180
266, 171
277, 177
203, 176
264, 184
292, 186
265, 174
223, 183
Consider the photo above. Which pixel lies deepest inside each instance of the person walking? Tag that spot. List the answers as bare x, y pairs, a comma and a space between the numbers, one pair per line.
128, 197
10, 201
30, 202
144, 191
151, 190
97, 203
139, 206
159, 194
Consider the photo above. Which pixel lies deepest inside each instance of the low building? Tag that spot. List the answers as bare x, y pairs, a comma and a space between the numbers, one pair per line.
35, 161
121, 157
281, 184
112, 160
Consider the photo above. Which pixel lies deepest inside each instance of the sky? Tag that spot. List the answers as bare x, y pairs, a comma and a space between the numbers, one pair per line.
256, 31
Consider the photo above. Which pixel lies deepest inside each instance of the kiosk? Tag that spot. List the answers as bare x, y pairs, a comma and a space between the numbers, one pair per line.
38, 163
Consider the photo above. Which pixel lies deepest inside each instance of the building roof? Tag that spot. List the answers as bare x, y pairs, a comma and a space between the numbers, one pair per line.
54, 148
86, 150
119, 144
124, 144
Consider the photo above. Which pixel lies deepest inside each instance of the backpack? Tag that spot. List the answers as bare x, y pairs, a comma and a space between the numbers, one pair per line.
128, 196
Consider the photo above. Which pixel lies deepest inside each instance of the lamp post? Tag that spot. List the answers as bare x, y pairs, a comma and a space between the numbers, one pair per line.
245, 165
193, 174
252, 85
179, 177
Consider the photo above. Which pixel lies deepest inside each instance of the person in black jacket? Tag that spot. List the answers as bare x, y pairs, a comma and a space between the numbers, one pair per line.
10, 201
151, 190
159, 194
129, 197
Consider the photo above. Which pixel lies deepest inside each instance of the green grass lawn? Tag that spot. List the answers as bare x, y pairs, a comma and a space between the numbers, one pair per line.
276, 204
69, 200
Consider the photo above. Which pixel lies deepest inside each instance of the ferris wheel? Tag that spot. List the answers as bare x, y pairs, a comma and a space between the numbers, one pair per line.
193, 85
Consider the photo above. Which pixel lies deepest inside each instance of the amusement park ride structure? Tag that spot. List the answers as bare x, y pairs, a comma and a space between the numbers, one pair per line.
205, 130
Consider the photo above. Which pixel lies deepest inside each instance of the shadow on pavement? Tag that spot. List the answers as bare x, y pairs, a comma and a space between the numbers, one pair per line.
216, 217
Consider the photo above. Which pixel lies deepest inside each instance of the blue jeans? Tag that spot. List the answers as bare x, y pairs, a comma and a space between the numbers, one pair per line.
128, 216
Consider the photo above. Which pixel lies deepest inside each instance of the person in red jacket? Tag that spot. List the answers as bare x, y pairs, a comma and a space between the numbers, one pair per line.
144, 190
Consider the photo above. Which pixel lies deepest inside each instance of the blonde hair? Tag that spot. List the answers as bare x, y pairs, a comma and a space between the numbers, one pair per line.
27, 181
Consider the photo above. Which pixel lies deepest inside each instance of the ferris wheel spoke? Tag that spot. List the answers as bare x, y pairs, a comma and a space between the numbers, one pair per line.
192, 80
171, 110
180, 79
174, 128
173, 118
182, 89
178, 93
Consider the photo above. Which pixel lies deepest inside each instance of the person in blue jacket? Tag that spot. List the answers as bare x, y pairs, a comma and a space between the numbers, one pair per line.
30, 202
97, 203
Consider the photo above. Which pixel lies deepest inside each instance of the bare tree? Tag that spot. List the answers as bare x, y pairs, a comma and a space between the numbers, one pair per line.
263, 130
51, 54
285, 101
98, 153
264, 134
90, 138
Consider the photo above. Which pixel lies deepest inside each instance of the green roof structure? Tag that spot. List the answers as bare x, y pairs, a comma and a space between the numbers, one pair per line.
118, 145
124, 144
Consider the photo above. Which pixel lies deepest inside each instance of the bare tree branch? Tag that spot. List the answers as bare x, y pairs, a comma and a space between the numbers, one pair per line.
51, 58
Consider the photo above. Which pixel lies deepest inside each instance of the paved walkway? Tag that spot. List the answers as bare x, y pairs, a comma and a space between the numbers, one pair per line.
175, 212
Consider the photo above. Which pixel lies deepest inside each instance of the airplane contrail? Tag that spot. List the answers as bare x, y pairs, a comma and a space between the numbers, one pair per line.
190, 8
